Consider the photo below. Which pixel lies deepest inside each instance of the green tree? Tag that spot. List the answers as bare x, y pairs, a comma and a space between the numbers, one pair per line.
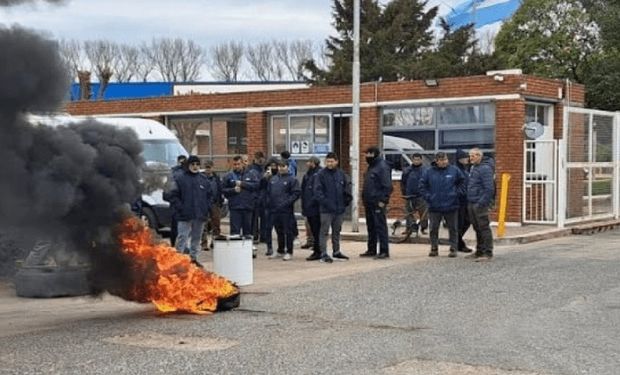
549, 38
389, 37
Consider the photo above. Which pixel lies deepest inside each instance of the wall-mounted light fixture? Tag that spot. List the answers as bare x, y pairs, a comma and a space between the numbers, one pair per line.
431, 82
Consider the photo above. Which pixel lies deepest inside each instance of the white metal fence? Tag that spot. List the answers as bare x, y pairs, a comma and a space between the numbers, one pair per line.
589, 166
540, 181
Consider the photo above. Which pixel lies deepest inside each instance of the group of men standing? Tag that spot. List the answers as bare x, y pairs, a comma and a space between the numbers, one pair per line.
261, 197
459, 196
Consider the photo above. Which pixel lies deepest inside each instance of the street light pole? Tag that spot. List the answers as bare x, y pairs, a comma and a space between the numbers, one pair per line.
355, 126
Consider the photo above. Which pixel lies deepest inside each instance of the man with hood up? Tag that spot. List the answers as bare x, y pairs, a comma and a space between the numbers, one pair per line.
480, 197
310, 205
462, 163
410, 188
442, 186
376, 195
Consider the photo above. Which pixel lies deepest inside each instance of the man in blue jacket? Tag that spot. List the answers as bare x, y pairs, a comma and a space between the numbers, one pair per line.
442, 185
282, 192
239, 187
333, 192
462, 163
480, 196
310, 205
218, 201
191, 198
410, 188
376, 195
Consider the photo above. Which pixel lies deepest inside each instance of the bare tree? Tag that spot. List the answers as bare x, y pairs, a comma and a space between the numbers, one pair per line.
175, 59
127, 63
103, 56
263, 63
144, 67
292, 55
225, 61
78, 64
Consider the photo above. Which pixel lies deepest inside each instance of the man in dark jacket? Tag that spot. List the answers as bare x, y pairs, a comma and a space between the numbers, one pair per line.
376, 195
442, 185
266, 227
462, 163
333, 192
239, 187
191, 199
282, 192
410, 188
175, 172
258, 216
218, 201
310, 205
480, 196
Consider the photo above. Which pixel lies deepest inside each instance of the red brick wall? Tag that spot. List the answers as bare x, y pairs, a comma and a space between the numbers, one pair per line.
257, 130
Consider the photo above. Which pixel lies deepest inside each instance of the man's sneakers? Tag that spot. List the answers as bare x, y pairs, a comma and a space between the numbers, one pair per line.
465, 250
382, 256
326, 259
287, 256
197, 263
368, 254
314, 256
307, 245
340, 256
452, 253
433, 253
254, 251
276, 255
269, 252
484, 258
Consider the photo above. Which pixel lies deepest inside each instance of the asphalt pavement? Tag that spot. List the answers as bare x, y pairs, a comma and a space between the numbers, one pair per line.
549, 307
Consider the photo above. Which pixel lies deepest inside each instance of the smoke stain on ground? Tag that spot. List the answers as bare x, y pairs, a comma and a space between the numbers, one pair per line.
172, 342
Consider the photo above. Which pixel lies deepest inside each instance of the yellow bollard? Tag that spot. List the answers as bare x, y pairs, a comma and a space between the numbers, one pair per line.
503, 202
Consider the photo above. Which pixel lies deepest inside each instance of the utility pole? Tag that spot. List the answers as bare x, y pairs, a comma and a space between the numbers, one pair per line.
355, 126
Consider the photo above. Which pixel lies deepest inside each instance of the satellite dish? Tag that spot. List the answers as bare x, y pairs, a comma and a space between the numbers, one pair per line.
533, 130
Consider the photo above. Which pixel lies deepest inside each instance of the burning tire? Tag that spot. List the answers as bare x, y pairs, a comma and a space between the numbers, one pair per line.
48, 282
229, 303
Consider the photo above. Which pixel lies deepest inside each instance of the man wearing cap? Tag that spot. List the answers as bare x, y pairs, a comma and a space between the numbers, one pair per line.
376, 195
333, 193
239, 187
442, 185
310, 205
191, 198
282, 192
410, 188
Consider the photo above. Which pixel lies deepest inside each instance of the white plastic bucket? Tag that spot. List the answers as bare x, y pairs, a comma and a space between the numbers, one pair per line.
232, 259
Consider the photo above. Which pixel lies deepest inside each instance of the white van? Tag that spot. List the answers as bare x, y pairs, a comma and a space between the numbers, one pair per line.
160, 148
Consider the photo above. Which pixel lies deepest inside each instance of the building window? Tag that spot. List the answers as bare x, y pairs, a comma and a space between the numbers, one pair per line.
427, 129
301, 134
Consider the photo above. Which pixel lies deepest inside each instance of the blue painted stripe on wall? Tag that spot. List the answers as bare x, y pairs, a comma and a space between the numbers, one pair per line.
130, 90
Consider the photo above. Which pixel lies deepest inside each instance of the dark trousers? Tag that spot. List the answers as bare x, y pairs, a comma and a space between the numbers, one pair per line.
463, 225
294, 222
451, 219
241, 221
284, 231
315, 228
258, 217
479, 218
266, 229
174, 230
376, 224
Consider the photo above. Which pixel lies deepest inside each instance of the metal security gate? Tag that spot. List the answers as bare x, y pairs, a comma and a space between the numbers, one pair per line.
540, 181
589, 160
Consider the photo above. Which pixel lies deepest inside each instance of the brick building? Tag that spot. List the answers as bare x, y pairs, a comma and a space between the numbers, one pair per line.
401, 117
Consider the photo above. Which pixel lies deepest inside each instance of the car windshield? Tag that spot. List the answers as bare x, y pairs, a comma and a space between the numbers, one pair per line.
162, 151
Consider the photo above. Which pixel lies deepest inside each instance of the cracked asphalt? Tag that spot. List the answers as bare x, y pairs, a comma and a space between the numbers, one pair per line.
550, 307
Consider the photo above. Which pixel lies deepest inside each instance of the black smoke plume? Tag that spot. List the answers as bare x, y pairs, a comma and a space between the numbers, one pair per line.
70, 182
6, 3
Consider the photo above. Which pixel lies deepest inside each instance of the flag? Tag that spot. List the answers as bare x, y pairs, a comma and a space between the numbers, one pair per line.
481, 12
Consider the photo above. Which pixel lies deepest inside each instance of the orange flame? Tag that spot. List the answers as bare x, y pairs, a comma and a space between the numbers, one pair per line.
168, 279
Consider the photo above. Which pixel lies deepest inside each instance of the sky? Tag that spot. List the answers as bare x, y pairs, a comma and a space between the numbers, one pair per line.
207, 22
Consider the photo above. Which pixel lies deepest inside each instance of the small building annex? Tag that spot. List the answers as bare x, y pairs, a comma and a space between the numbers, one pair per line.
407, 117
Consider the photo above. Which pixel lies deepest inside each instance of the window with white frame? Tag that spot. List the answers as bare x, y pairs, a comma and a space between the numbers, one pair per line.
429, 128
301, 134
